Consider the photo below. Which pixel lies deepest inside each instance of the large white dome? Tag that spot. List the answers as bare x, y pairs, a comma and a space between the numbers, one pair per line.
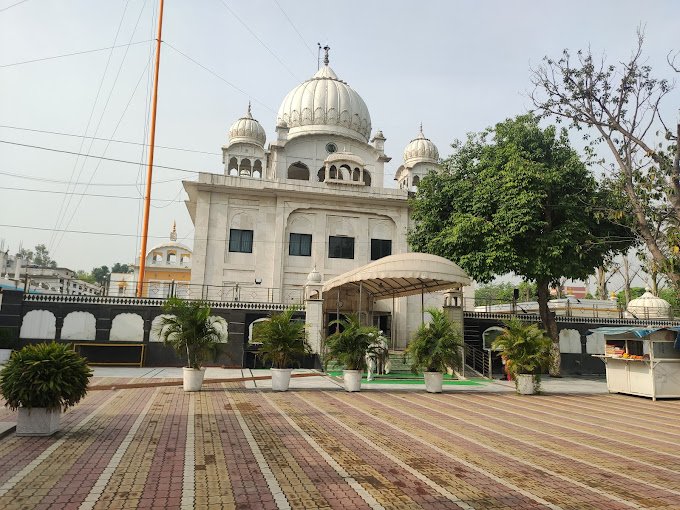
247, 130
648, 306
421, 150
325, 104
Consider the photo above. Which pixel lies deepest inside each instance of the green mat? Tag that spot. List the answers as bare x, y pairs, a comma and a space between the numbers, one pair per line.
409, 378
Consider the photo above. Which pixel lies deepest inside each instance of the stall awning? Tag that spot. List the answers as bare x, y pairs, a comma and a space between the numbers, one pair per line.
403, 275
638, 331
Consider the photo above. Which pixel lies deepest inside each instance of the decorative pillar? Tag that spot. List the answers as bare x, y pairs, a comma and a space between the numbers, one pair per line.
314, 311
453, 308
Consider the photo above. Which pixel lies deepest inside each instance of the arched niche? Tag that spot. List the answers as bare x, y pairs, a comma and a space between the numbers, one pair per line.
222, 327
245, 168
232, 166
367, 178
356, 175
257, 169
298, 171
39, 325
416, 181
490, 335
321, 174
156, 327
251, 327
79, 326
345, 172
127, 327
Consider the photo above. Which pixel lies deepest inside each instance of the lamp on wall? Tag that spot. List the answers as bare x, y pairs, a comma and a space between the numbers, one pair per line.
258, 281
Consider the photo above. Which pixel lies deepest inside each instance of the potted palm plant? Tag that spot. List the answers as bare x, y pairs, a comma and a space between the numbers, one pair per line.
435, 348
190, 330
526, 351
40, 381
349, 346
284, 342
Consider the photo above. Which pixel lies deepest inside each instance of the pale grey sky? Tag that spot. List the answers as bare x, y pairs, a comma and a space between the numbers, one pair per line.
455, 66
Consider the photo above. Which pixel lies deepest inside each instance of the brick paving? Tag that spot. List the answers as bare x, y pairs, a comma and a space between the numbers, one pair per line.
234, 447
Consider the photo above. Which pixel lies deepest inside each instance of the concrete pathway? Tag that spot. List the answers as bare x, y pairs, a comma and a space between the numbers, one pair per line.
229, 446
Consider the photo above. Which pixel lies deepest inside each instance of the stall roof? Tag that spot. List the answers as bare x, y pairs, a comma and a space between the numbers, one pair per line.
400, 275
638, 331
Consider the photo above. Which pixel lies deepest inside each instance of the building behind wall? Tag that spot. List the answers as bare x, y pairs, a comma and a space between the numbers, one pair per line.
313, 198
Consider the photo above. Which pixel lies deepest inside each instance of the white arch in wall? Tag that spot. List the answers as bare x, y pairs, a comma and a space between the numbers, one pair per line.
39, 325
244, 168
570, 341
298, 171
250, 328
79, 326
128, 327
155, 327
257, 169
367, 178
490, 335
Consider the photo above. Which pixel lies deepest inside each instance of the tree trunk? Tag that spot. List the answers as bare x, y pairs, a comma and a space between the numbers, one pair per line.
550, 325
601, 292
626, 279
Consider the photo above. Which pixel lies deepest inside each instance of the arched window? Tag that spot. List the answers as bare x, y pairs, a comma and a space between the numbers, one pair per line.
157, 258
356, 175
298, 171
345, 173
245, 168
367, 178
172, 257
233, 165
257, 169
416, 181
321, 174
333, 172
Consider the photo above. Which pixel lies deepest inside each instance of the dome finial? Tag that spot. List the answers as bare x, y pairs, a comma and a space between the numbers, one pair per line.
326, 49
173, 234
249, 114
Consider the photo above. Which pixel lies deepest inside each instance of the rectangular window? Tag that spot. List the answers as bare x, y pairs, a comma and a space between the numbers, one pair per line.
241, 241
340, 247
300, 245
380, 248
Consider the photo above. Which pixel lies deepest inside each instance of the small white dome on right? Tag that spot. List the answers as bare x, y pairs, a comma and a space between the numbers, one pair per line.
421, 150
649, 306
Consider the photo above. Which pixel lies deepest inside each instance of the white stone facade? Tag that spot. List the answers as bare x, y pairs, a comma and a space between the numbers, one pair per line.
323, 176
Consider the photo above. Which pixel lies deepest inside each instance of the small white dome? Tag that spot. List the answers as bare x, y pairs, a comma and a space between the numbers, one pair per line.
325, 103
247, 130
421, 150
314, 277
649, 306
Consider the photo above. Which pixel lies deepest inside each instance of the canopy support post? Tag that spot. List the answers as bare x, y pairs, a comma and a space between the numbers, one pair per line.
393, 328
337, 312
361, 287
422, 305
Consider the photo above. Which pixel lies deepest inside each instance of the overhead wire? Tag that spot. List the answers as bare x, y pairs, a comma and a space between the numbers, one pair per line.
271, 52
84, 52
113, 140
99, 195
13, 5
235, 87
290, 21
101, 118
61, 181
60, 212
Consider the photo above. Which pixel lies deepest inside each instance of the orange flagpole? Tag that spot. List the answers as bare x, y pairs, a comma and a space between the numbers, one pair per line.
149, 169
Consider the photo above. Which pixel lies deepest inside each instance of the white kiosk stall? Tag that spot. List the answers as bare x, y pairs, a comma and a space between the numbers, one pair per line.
642, 361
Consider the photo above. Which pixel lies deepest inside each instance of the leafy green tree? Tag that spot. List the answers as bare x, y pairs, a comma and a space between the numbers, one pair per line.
121, 268
42, 257
25, 254
493, 293
85, 276
517, 198
100, 274
620, 107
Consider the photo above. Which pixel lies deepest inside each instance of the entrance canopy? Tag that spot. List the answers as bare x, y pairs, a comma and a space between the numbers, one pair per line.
402, 275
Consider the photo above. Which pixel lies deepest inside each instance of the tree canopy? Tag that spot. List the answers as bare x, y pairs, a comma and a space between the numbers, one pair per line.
517, 198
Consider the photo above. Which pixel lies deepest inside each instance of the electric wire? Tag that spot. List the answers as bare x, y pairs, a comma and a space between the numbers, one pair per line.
101, 118
61, 211
235, 87
99, 195
278, 59
71, 54
61, 181
13, 5
127, 142
290, 21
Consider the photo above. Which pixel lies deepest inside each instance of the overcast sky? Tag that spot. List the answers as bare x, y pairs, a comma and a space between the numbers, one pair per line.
454, 66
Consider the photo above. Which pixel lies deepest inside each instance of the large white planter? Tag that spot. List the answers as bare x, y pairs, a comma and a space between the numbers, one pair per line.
4, 355
193, 378
281, 378
525, 384
352, 379
37, 421
434, 382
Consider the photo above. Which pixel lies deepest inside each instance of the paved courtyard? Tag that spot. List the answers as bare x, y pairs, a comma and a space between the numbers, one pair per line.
235, 445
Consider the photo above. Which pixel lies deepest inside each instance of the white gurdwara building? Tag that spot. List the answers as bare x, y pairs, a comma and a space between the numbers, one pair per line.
313, 198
